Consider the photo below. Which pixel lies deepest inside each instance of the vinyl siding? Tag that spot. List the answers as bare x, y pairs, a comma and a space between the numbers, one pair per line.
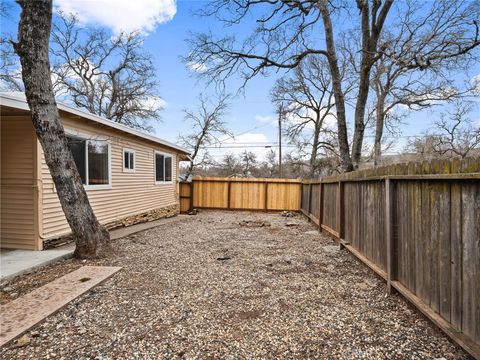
19, 190
130, 193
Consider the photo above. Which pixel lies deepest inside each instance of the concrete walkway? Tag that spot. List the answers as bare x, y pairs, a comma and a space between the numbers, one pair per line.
16, 262
23, 313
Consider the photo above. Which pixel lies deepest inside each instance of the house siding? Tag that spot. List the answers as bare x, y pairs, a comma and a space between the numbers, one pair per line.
19, 184
130, 193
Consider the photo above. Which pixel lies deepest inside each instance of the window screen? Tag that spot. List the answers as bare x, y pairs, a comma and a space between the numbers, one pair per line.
159, 167
91, 157
163, 167
168, 168
77, 147
128, 160
98, 162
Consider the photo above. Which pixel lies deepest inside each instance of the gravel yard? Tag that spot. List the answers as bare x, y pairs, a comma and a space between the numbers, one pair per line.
220, 285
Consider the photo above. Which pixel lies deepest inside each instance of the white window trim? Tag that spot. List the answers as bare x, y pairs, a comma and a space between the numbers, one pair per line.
126, 170
155, 152
104, 186
88, 138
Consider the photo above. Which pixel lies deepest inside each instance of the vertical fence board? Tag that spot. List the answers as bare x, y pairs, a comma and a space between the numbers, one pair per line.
418, 242
471, 259
389, 233
425, 239
444, 258
435, 234
456, 254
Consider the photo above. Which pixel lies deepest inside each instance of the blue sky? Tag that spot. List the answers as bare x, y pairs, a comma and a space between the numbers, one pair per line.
167, 24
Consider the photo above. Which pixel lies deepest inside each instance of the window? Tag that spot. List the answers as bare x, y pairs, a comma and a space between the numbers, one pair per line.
128, 160
163, 168
92, 158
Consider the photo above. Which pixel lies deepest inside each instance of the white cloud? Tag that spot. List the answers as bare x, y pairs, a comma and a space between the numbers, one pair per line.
121, 15
254, 142
246, 139
266, 119
196, 67
153, 102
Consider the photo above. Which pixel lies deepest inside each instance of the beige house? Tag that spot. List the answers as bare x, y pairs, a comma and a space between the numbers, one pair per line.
129, 176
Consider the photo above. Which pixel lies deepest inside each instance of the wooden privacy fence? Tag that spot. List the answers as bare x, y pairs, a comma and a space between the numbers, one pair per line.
418, 227
240, 194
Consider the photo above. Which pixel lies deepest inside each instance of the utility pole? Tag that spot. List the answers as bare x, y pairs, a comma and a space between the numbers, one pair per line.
280, 114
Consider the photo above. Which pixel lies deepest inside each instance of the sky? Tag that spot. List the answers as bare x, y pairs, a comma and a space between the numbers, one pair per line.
166, 25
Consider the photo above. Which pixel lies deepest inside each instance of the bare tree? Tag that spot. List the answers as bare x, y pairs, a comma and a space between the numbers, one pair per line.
10, 73
271, 163
207, 125
92, 239
229, 165
458, 135
309, 102
422, 48
287, 33
248, 161
110, 76
282, 41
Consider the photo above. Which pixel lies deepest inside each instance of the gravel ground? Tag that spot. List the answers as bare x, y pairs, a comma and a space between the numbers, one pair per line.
211, 288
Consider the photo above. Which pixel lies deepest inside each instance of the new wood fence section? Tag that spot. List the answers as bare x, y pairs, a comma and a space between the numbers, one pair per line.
418, 227
240, 194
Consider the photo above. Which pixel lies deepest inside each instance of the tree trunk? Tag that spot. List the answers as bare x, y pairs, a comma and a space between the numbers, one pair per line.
346, 161
362, 98
313, 154
379, 125
371, 30
92, 239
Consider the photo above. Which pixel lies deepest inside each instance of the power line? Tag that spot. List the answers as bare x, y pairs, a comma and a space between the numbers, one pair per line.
246, 146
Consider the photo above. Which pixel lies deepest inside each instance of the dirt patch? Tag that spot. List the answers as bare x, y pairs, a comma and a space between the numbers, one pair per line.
285, 293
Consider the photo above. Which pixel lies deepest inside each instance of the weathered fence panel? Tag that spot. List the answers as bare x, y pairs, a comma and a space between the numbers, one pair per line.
330, 206
417, 226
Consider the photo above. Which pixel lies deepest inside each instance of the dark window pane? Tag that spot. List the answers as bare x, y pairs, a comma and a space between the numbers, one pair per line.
77, 147
97, 162
168, 168
159, 174
132, 160
126, 160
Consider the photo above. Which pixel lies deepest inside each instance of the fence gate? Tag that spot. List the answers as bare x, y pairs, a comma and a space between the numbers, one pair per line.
186, 197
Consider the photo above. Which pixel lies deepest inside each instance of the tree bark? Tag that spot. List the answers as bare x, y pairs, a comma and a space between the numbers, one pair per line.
92, 239
371, 30
346, 161
379, 125
313, 154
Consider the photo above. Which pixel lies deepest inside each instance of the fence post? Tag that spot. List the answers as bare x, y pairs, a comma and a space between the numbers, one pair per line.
389, 234
340, 213
229, 185
309, 200
301, 197
191, 195
265, 205
320, 212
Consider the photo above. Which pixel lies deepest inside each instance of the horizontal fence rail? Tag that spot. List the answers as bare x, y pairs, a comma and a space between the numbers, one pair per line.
259, 194
418, 227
